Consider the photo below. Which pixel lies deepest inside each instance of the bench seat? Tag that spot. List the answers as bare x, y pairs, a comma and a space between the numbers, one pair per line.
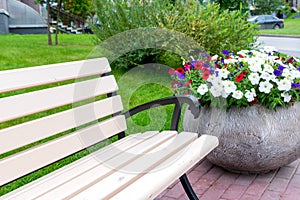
50, 113
149, 160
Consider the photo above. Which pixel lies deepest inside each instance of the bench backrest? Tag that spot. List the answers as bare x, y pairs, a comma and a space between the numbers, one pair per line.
29, 93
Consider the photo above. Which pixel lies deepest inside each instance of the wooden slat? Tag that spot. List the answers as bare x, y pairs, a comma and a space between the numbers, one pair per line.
29, 103
84, 176
76, 168
33, 159
41, 75
134, 170
177, 165
32, 131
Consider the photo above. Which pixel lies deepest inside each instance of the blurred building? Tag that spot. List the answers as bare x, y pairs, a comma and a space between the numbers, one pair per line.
22, 17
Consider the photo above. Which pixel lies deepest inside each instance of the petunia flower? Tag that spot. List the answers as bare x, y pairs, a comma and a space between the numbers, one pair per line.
265, 87
254, 78
286, 97
284, 85
202, 89
281, 67
229, 86
277, 72
237, 94
223, 73
216, 91
225, 52
171, 71
239, 77
250, 95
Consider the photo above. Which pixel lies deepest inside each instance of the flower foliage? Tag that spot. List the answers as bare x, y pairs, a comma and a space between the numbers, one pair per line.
248, 77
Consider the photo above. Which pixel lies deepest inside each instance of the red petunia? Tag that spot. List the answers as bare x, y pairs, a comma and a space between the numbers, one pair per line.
254, 101
188, 83
239, 77
205, 70
241, 56
199, 65
180, 70
291, 60
205, 76
174, 84
218, 66
171, 71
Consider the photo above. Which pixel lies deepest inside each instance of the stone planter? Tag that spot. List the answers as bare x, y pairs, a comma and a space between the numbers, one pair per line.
252, 139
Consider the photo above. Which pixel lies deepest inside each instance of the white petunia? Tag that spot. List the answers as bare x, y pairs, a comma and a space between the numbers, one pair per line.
286, 97
250, 95
223, 73
202, 89
213, 78
237, 94
215, 91
229, 86
268, 68
215, 57
255, 67
297, 74
270, 49
267, 76
265, 87
254, 78
284, 85
287, 74
224, 94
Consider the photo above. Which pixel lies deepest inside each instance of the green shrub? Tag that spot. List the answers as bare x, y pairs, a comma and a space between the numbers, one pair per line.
208, 26
215, 29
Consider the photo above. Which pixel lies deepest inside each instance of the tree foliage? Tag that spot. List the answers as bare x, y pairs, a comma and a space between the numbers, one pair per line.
231, 4
81, 8
267, 6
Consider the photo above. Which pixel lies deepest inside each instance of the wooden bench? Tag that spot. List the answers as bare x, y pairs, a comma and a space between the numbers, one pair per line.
138, 166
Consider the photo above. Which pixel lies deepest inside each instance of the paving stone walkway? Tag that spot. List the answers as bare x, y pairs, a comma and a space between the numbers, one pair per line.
214, 183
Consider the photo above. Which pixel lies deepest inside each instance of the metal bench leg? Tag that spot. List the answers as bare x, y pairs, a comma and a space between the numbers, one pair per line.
187, 187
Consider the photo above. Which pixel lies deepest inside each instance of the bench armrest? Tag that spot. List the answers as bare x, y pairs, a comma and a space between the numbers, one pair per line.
177, 100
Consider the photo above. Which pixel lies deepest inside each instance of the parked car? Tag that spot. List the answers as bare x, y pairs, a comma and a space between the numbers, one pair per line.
267, 21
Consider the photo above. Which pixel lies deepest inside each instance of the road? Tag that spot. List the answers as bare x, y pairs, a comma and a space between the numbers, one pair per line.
290, 46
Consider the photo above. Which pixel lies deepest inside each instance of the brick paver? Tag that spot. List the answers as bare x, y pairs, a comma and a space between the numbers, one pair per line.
214, 183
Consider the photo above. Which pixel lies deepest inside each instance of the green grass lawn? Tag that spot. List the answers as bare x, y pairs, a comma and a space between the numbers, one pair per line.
136, 86
31, 50
291, 27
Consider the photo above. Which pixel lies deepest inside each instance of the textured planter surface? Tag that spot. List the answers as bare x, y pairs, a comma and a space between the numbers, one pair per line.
252, 139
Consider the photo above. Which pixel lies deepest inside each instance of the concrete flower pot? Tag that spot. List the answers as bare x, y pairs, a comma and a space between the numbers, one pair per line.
252, 139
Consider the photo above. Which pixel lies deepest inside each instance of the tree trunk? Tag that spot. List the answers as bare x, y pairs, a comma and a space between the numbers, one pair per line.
57, 18
48, 22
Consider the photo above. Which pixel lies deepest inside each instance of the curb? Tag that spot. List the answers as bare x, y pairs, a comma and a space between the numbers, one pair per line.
277, 35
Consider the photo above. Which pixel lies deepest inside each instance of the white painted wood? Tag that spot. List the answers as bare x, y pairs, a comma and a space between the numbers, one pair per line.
25, 104
85, 174
41, 75
169, 171
74, 169
28, 161
124, 176
32, 131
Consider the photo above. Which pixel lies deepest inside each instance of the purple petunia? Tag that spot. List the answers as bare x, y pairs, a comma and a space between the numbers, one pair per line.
181, 75
277, 72
225, 52
281, 67
296, 85
298, 69
180, 84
